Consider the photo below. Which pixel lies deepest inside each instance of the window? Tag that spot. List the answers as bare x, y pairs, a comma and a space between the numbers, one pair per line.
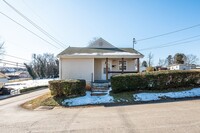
120, 65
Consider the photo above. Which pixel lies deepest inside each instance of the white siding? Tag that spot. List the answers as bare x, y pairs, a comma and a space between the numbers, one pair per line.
131, 63
180, 67
77, 69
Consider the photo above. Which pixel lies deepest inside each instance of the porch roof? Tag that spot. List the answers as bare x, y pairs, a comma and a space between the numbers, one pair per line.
100, 52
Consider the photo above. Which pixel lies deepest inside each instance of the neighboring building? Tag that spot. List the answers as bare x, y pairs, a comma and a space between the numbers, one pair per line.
3, 79
193, 66
99, 61
160, 68
180, 67
197, 67
18, 75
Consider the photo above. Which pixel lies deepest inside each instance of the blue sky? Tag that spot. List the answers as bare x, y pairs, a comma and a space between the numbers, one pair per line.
76, 22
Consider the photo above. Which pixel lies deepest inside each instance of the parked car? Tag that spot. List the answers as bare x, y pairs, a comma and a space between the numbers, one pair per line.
5, 91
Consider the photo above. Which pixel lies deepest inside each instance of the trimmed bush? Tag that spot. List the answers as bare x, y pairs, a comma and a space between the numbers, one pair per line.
68, 88
158, 80
149, 69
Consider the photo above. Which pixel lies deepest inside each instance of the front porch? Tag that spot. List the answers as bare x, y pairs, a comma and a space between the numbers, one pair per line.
104, 68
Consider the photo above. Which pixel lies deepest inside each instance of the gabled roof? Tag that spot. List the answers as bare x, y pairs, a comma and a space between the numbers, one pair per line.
84, 50
101, 43
100, 48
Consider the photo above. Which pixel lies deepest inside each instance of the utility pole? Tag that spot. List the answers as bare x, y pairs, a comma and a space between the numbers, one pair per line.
134, 42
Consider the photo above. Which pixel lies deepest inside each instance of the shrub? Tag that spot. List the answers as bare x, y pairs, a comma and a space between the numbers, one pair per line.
68, 88
88, 87
158, 80
149, 69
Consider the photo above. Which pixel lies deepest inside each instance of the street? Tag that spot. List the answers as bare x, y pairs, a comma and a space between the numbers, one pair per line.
181, 117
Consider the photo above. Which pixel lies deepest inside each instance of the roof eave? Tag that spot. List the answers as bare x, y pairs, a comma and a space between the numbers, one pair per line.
100, 56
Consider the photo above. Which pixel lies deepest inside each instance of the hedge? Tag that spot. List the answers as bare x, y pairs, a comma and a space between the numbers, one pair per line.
158, 80
68, 88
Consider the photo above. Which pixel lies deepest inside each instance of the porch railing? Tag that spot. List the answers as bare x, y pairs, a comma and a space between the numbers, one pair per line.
123, 72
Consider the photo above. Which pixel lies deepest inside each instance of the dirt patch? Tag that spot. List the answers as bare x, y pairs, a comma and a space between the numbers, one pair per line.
44, 100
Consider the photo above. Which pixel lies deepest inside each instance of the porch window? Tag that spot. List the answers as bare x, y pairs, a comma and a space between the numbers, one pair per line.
120, 65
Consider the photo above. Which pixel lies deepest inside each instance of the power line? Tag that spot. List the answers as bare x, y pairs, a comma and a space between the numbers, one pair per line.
172, 32
36, 26
171, 42
12, 62
28, 29
162, 46
41, 18
16, 57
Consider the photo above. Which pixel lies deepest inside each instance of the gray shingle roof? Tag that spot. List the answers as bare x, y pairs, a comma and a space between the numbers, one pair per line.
73, 50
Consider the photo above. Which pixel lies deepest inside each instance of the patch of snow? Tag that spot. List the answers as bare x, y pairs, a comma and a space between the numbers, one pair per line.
120, 53
158, 96
85, 54
102, 54
28, 83
88, 99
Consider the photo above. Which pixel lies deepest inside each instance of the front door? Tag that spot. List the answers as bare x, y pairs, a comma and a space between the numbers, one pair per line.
103, 75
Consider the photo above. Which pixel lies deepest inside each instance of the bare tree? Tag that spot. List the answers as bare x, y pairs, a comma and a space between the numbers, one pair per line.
169, 60
93, 40
161, 62
191, 59
44, 66
150, 59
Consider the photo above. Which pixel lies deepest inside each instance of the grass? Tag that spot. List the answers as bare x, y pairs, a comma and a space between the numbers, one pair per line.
18, 80
128, 96
123, 97
32, 88
44, 100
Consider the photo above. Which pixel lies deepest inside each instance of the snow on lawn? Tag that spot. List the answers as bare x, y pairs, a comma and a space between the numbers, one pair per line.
88, 99
158, 96
28, 83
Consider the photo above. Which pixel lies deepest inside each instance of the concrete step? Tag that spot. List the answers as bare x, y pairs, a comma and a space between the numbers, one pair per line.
99, 89
98, 93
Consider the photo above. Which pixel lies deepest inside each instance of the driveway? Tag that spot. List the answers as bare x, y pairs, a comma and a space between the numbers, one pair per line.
181, 117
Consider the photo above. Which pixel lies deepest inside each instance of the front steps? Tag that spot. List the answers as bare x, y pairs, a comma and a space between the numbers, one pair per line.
99, 89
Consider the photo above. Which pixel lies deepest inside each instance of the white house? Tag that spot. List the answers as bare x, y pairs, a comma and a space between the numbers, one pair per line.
99, 61
180, 67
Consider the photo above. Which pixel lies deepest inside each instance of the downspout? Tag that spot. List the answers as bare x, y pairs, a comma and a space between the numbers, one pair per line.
60, 63
138, 65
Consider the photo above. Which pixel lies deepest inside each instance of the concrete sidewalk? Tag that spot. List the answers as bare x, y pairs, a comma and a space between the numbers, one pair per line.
177, 117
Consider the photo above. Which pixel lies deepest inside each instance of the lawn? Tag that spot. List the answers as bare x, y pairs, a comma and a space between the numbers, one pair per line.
111, 98
44, 100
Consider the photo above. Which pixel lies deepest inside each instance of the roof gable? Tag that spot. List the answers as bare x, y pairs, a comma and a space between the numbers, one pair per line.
99, 49
101, 43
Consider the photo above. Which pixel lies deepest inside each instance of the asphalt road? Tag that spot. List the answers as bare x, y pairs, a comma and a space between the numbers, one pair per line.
177, 117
